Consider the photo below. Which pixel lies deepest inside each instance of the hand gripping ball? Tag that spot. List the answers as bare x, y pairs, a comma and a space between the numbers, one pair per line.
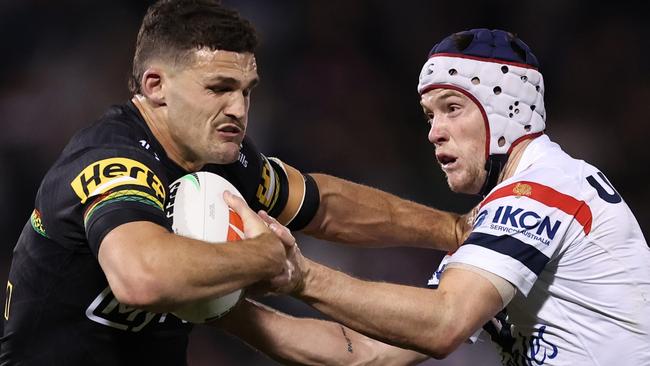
197, 210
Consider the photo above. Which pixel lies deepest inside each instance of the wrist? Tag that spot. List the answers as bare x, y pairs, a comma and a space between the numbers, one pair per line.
270, 250
306, 273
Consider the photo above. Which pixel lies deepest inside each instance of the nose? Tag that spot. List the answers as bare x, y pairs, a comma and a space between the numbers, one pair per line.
237, 106
438, 133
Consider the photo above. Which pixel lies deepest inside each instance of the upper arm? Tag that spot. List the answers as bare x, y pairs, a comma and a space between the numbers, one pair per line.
125, 243
470, 300
124, 255
303, 198
114, 186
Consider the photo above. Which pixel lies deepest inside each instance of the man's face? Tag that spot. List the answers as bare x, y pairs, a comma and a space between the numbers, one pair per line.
458, 134
207, 100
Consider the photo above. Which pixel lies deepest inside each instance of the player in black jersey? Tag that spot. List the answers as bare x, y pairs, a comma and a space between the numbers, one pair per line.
96, 270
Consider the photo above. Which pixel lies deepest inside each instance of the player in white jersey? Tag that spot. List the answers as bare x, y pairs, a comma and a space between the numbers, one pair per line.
556, 267
561, 234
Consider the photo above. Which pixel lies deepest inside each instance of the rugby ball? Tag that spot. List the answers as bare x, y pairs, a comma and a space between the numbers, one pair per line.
197, 210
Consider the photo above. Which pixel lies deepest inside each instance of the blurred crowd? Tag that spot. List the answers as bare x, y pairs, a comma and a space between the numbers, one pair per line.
338, 95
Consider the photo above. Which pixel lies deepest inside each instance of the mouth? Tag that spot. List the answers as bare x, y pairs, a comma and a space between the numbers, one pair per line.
446, 161
229, 130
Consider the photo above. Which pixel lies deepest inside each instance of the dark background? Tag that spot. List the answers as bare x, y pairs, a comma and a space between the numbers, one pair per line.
338, 95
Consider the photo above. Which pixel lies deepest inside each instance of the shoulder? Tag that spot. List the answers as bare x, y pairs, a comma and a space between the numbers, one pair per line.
112, 150
119, 137
545, 196
118, 126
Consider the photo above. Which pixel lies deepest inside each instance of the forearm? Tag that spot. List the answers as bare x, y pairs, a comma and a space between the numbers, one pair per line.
403, 316
150, 268
434, 322
358, 214
305, 341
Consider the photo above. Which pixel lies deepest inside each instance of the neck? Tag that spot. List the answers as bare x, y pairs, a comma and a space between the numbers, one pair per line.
154, 119
513, 160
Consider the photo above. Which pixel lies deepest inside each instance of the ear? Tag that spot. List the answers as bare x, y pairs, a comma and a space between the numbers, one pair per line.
152, 85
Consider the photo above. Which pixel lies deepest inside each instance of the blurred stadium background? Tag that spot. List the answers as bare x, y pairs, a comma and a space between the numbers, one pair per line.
337, 96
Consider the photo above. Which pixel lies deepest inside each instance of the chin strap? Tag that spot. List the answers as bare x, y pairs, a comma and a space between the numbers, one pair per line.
493, 166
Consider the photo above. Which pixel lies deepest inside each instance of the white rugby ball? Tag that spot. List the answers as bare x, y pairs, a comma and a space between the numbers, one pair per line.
197, 210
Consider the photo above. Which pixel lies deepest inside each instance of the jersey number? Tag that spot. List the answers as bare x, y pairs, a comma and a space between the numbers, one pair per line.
613, 197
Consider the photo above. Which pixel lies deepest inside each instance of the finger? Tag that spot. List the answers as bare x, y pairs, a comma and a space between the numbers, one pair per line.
266, 217
269, 219
272, 221
284, 234
240, 206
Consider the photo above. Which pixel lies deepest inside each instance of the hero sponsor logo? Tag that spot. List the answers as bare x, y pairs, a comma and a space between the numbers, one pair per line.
529, 223
103, 175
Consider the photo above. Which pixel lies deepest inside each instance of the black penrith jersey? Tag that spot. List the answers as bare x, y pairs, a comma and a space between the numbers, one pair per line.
59, 308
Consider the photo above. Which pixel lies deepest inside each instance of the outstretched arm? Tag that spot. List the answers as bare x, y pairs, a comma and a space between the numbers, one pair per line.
338, 210
357, 214
306, 341
434, 322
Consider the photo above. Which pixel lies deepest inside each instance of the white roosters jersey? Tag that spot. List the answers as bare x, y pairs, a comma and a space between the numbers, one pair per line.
561, 234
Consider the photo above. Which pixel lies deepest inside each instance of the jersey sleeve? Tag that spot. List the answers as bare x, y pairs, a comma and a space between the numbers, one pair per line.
520, 227
271, 185
116, 186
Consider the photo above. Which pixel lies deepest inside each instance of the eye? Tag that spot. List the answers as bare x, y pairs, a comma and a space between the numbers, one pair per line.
453, 109
220, 89
428, 117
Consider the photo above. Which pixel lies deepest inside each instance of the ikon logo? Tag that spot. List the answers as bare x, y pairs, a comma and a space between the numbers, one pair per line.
529, 220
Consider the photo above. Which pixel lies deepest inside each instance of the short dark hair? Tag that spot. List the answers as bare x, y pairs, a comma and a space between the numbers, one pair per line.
171, 29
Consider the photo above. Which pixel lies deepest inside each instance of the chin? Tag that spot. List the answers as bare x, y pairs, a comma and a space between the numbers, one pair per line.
226, 155
464, 186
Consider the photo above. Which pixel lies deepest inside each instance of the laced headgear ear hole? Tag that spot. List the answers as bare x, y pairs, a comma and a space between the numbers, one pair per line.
501, 141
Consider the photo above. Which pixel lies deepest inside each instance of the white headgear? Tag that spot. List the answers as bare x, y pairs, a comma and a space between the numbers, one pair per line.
507, 87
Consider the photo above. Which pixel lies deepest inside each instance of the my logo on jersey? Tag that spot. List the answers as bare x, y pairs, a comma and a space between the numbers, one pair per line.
516, 218
106, 310
103, 175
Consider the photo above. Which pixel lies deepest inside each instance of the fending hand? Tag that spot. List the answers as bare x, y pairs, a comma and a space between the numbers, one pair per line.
291, 279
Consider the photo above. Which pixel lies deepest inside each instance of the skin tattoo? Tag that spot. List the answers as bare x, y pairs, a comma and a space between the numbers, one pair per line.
347, 339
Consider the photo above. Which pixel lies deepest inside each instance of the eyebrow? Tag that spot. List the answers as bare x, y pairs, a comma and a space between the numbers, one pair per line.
447, 94
226, 80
